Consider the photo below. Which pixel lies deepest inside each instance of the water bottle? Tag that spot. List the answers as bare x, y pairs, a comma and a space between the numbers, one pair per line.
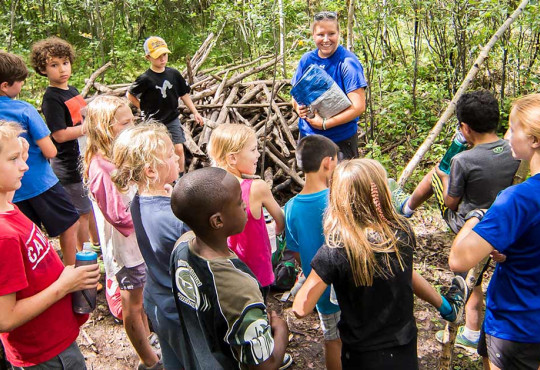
84, 301
458, 145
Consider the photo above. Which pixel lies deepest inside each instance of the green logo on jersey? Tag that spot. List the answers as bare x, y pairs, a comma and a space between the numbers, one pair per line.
498, 150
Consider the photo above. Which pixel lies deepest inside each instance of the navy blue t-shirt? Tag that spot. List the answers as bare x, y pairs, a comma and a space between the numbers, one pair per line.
157, 231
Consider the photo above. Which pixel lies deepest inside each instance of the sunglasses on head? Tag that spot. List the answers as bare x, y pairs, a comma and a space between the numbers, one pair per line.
325, 15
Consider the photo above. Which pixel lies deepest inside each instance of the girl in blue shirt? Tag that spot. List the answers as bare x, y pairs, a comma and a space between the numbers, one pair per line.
510, 231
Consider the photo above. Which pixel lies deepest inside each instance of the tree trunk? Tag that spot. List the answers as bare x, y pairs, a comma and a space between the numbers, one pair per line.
282, 37
435, 131
350, 22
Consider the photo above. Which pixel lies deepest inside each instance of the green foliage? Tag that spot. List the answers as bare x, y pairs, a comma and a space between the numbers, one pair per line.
415, 53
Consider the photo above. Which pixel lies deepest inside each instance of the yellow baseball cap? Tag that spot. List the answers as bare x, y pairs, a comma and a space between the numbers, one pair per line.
155, 46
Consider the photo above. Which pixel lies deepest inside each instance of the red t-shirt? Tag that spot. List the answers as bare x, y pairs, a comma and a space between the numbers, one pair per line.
28, 265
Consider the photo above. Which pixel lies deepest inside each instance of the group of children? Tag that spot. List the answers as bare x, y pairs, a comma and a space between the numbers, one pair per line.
196, 259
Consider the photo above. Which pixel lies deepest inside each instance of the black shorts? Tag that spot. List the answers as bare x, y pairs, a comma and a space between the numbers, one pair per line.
400, 357
348, 148
51, 209
509, 355
177, 134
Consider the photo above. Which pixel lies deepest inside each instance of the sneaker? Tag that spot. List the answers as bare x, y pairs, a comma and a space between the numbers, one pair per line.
399, 197
97, 248
101, 264
154, 342
287, 361
461, 340
456, 296
157, 366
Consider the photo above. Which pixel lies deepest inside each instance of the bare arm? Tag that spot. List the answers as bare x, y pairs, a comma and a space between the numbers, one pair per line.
308, 295
47, 147
133, 100
358, 106
14, 313
68, 134
263, 197
468, 248
189, 103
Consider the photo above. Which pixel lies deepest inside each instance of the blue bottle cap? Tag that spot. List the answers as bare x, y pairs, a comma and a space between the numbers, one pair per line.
86, 256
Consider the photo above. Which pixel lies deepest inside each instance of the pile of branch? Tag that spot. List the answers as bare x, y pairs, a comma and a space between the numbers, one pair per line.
243, 93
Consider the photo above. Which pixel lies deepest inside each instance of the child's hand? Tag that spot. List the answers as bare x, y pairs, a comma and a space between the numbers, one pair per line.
83, 277
277, 323
25, 147
198, 118
497, 256
440, 173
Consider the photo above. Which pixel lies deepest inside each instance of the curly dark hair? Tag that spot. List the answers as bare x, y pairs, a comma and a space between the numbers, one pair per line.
12, 68
52, 47
480, 110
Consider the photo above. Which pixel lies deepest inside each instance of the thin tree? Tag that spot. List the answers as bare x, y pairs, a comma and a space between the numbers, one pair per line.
437, 128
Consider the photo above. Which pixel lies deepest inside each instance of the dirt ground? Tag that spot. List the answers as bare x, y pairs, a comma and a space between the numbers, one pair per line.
112, 350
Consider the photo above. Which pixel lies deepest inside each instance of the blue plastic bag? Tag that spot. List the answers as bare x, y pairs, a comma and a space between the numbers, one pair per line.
320, 93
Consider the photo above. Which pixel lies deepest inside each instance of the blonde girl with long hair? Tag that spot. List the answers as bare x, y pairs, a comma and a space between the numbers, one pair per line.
106, 118
144, 156
233, 147
510, 229
367, 257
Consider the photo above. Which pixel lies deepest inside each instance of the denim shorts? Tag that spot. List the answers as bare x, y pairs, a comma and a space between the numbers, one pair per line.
177, 134
329, 325
169, 333
131, 278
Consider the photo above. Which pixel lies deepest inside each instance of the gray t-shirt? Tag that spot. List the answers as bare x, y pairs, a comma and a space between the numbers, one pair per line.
479, 174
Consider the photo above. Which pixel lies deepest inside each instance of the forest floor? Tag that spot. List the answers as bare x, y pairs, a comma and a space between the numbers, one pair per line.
112, 350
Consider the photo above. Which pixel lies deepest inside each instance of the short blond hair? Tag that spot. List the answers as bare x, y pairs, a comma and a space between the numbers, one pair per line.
136, 149
9, 130
228, 139
526, 110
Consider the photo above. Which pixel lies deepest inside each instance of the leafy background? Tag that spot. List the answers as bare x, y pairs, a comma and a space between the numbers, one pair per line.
415, 53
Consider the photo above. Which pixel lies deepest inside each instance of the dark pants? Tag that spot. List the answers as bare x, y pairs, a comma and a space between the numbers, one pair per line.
348, 148
399, 357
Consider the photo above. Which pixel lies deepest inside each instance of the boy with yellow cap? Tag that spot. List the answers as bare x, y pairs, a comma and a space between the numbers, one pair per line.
156, 93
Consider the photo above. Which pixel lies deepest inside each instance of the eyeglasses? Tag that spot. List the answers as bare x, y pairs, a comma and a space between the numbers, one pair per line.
325, 15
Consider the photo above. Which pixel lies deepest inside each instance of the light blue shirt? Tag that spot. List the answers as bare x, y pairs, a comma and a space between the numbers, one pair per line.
304, 234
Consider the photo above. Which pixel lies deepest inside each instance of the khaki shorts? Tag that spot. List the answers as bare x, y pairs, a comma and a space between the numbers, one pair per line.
329, 325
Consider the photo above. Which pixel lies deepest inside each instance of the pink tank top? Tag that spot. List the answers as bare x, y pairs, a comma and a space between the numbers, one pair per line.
252, 245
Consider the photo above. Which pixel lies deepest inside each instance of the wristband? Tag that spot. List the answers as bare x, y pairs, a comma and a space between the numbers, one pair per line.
324, 124
478, 213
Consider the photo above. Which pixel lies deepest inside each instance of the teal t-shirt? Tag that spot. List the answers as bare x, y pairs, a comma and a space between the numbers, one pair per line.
304, 234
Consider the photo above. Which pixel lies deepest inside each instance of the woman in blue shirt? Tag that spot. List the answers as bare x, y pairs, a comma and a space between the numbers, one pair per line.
345, 68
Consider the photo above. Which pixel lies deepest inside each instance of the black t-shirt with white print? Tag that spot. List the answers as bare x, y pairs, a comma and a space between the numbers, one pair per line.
158, 94
375, 317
